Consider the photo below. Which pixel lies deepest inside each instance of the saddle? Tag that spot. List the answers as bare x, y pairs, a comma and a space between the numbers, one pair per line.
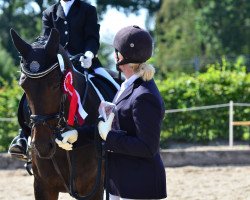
101, 84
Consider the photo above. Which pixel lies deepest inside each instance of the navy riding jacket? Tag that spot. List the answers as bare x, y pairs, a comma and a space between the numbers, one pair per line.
135, 168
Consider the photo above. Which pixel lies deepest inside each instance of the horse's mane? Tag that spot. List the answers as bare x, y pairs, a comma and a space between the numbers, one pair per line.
40, 41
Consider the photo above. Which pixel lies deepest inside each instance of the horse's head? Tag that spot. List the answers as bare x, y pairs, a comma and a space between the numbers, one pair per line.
41, 80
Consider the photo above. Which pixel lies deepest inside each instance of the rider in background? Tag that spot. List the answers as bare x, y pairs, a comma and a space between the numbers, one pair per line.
78, 26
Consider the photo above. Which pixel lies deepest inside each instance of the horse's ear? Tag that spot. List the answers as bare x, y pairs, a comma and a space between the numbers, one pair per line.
52, 45
22, 47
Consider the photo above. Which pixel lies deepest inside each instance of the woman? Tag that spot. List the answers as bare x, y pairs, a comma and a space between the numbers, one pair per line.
135, 168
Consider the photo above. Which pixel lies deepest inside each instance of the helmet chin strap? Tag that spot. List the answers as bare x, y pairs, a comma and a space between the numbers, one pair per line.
122, 62
118, 63
117, 67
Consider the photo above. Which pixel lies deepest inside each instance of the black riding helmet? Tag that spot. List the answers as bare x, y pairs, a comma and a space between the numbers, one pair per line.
134, 43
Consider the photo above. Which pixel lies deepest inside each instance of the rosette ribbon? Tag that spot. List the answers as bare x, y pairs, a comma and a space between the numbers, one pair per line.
75, 109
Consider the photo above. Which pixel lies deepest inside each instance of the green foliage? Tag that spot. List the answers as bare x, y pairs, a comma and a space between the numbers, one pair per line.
105, 56
197, 32
7, 67
221, 83
128, 6
10, 94
223, 26
21, 16
174, 32
188, 33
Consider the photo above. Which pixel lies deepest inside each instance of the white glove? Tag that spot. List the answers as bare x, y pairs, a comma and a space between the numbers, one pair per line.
105, 127
69, 137
86, 60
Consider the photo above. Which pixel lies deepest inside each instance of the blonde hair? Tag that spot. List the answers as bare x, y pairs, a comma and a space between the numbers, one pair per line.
144, 70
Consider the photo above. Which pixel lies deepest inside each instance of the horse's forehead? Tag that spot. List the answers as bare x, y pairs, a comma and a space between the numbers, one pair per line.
37, 51
37, 60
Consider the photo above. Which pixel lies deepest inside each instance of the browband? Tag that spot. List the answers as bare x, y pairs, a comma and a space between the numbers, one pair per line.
44, 73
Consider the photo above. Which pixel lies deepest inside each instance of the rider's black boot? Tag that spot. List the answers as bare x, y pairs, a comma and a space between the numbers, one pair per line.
19, 145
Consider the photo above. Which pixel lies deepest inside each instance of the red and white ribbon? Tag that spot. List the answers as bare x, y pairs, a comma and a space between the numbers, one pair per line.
75, 108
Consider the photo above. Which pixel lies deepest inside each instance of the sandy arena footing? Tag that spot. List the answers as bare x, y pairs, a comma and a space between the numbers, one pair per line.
197, 173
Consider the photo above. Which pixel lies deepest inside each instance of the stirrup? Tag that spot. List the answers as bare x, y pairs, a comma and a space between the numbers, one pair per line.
19, 150
19, 156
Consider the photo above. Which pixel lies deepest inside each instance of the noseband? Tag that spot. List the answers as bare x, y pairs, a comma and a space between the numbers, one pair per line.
43, 119
56, 130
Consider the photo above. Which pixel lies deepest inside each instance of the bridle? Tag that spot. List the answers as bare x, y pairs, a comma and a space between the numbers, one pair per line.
37, 119
56, 130
59, 116
43, 119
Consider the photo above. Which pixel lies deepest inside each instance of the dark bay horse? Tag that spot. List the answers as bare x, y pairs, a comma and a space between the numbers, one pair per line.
42, 79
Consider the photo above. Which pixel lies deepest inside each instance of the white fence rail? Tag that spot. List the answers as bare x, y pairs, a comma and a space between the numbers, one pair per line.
230, 106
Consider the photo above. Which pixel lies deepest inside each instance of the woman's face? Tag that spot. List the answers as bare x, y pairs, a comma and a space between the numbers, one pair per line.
120, 57
125, 68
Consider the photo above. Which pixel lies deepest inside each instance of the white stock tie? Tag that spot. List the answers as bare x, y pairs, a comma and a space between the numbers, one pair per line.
123, 87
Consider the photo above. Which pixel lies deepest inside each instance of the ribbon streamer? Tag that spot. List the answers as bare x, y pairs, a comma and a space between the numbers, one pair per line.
75, 108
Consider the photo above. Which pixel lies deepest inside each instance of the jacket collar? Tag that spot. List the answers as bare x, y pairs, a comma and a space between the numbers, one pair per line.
129, 90
60, 12
74, 8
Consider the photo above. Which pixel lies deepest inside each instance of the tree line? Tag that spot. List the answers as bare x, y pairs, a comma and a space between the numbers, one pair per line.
188, 34
25, 16
207, 30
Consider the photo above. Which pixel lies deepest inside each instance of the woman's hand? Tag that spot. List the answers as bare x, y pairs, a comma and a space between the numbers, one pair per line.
105, 127
68, 138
